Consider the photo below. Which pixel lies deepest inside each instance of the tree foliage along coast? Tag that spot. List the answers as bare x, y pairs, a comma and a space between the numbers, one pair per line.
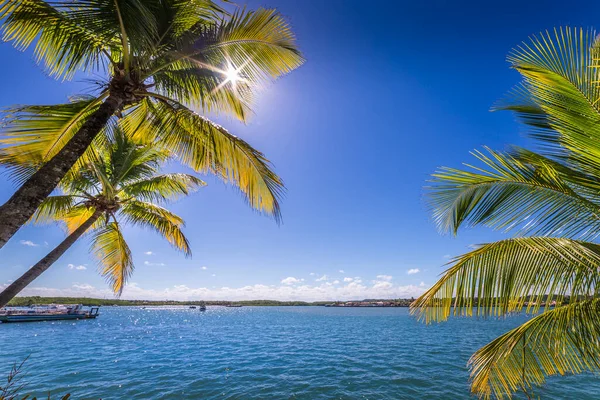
87, 301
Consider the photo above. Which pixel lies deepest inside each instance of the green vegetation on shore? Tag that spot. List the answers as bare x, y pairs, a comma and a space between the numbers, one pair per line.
87, 301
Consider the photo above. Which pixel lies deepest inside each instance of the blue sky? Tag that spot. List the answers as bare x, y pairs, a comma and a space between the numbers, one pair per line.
389, 92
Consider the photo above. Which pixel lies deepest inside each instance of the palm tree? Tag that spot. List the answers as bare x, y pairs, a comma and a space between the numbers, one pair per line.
159, 59
551, 199
121, 186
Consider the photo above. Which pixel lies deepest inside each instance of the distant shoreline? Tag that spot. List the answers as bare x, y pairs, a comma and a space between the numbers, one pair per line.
89, 301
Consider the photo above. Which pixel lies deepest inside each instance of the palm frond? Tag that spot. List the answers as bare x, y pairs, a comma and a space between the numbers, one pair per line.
116, 263
559, 97
137, 24
76, 216
127, 160
64, 42
586, 185
161, 188
560, 341
209, 148
554, 193
535, 198
161, 220
32, 135
499, 278
259, 45
204, 88
53, 208
176, 17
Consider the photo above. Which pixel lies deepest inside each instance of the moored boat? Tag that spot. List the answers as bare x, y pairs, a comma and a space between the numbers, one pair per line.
48, 313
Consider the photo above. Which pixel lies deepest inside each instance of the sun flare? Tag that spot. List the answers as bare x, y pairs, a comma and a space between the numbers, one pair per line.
232, 74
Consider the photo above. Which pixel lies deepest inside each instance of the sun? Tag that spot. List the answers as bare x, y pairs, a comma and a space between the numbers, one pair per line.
232, 74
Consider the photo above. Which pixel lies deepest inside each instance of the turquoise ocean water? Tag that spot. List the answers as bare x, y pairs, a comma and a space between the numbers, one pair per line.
258, 353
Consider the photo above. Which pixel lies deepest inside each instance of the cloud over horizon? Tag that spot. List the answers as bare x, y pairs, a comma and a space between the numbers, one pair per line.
292, 290
290, 280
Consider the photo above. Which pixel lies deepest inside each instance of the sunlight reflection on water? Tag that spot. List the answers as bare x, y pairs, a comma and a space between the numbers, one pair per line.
258, 352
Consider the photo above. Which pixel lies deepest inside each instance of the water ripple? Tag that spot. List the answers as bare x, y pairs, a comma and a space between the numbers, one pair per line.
258, 353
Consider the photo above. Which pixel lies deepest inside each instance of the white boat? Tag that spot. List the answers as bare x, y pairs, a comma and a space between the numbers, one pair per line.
53, 312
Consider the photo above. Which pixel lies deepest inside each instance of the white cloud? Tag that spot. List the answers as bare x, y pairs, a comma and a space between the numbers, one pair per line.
204, 268
348, 279
28, 243
383, 282
148, 253
312, 274
83, 286
382, 285
290, 280
322, 279
422, 284
413, 271
303, 292
336, 282
214, 275
341, 271
151, 264
77, 267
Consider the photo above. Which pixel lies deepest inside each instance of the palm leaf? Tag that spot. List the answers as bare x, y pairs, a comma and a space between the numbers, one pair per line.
259, 42
561, 341
209, 148
164, 187
53, 208
550, 194
76, 216
114, 256
127, 160
259, 45
559, 97
512, 193
64, 42
161, 220
176, 17
204, 88
499, 278
33, 135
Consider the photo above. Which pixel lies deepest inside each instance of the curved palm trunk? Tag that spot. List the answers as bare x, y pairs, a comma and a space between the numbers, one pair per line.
14, 288
21, 206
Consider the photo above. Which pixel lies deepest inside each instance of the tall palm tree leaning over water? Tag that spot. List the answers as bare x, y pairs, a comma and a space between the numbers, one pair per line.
551, 199
160, 59
120, 186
